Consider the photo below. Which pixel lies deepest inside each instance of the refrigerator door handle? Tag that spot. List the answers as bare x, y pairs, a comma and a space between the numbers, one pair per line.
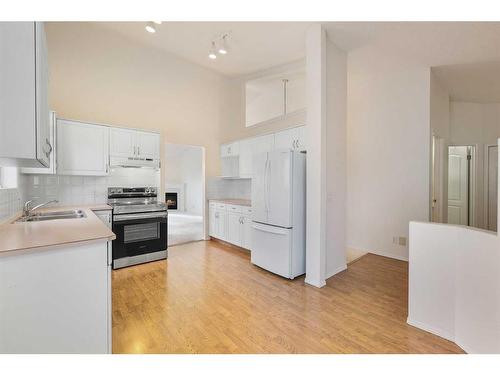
265, 184
269, 229
268, 193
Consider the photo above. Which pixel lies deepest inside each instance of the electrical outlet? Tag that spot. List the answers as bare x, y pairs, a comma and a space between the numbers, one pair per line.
402, 241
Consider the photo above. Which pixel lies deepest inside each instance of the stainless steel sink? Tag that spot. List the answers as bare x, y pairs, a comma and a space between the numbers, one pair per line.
53, 215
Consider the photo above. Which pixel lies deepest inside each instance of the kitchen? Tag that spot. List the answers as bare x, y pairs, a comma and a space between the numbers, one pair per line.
71, 171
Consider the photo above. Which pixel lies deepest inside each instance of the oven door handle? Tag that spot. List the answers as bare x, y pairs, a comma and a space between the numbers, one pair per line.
148, 215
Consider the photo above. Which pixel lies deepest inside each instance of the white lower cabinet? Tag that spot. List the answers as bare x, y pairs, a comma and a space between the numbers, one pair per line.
230, 223
56, 300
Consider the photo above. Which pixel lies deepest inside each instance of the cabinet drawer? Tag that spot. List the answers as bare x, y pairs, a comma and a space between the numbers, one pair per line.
220, 206
234, 208
212, 205
246, 210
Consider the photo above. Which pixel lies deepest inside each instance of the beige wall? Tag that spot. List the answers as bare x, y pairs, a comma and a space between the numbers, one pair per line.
99, 76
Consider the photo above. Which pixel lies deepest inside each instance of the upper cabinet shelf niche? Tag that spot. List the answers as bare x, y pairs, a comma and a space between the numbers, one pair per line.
273, 97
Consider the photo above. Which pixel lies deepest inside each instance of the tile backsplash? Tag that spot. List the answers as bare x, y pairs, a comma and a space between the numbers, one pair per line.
219, 188
10, 202
84, 189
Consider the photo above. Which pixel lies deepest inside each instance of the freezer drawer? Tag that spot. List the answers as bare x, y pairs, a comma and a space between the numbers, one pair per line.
271, 248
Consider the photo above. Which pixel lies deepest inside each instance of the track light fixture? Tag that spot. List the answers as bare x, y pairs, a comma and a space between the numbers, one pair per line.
213, 52
223, 47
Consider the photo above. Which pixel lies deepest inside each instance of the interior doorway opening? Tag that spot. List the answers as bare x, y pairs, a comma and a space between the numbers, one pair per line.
185, 192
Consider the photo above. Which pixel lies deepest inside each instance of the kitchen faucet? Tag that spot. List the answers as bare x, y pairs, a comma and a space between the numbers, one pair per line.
28, 211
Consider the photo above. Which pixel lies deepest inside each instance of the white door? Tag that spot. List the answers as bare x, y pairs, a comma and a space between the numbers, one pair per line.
148, 145
246, 233
279, 188
233, 226
457, 185
82, 149
264, 143
285, 139
271, 248
259, 187
229, 149
492, 187
122, 142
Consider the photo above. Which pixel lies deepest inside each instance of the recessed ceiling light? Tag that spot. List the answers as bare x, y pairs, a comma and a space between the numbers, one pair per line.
150, 27
213, 52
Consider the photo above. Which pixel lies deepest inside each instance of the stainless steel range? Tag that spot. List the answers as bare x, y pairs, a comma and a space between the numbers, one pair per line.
140, 225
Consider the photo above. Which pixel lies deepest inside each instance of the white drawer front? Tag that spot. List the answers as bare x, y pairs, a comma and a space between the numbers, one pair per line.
246, 210
234, 208
221, 206
212, 205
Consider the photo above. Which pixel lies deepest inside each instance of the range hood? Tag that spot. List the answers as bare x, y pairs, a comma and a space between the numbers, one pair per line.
134, 162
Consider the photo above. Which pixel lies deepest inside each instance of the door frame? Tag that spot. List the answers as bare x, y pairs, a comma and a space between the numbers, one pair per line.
486, 183
472, 180
437, 179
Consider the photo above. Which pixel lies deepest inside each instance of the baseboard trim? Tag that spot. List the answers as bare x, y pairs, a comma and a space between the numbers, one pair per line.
435, 331
387, 255
336, 271
315, 283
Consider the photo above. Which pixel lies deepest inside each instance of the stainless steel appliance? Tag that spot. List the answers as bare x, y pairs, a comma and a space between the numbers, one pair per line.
140, 225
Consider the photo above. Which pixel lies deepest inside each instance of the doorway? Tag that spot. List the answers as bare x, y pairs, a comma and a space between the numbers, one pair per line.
491, 185
184, 167
461, 184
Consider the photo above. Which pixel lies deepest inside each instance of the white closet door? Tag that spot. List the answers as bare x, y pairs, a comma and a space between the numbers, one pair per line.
457, 185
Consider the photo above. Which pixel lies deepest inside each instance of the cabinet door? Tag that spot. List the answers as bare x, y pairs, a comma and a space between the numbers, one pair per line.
246, 232
52, 159
245, 158
212, 222
229, 149
301, 136
148, 145
234, 228
44, 146
264, 99
295, 92
285, 139
220, 224
122, 142
264, 143
82, 149
105, 217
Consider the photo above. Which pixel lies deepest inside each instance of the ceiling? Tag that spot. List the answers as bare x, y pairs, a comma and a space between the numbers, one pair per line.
262, 45
254, 45
478, 82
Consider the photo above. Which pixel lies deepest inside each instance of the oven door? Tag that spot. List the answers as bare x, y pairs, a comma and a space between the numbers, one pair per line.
140, 233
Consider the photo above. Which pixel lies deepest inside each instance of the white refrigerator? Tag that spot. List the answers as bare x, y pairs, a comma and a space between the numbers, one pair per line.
278, 212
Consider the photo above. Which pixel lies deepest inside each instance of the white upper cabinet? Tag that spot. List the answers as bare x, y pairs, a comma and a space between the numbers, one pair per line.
148, 145
293, 139
52, 159
245, 160
264, 99
129, 143
24, 95
82, 149
122, 142
229, 149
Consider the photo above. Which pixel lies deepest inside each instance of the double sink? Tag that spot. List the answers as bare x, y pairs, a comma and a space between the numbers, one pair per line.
53, 215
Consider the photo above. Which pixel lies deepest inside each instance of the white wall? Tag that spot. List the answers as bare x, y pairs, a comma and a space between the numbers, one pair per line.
454, 285
476, 124
388, 151
183, 164
336, 155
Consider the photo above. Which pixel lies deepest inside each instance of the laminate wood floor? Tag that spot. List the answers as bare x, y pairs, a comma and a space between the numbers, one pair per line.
208, 298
